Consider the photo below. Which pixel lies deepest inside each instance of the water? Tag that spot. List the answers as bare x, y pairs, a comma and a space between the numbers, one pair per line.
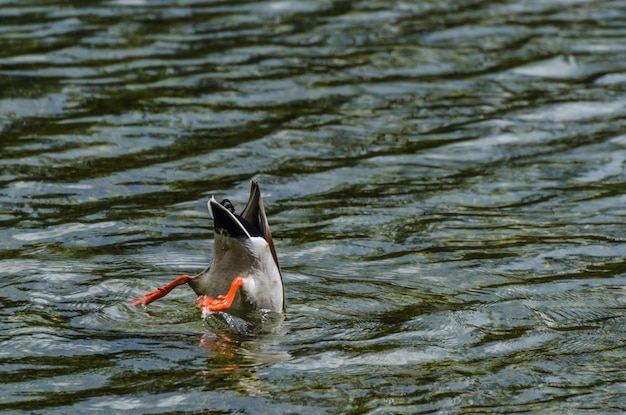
444, 181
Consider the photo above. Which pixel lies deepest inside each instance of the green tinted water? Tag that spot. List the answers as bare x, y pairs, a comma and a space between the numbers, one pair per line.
444, 181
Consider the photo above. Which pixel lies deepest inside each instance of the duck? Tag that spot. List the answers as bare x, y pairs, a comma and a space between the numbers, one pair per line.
244, 274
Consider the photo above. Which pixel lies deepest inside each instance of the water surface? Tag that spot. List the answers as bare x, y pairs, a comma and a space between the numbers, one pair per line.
445, 183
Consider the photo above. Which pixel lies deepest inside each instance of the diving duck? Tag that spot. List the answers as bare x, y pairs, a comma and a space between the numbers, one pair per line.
244, 274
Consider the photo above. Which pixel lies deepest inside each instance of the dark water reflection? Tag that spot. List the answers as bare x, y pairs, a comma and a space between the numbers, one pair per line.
445, 182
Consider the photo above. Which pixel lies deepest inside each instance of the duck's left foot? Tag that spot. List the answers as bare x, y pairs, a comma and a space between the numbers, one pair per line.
208, 305
160, 292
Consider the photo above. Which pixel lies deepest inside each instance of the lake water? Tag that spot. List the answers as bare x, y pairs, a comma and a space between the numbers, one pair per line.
445, 181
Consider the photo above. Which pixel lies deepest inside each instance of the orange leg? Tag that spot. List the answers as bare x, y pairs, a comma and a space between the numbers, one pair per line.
208, 304
160, 292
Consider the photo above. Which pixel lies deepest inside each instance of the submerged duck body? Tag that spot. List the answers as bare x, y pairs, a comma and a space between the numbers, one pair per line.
244, 274
243, 247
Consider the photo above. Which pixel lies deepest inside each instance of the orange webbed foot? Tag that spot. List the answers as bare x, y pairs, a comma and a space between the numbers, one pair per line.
208, 305
160, 292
